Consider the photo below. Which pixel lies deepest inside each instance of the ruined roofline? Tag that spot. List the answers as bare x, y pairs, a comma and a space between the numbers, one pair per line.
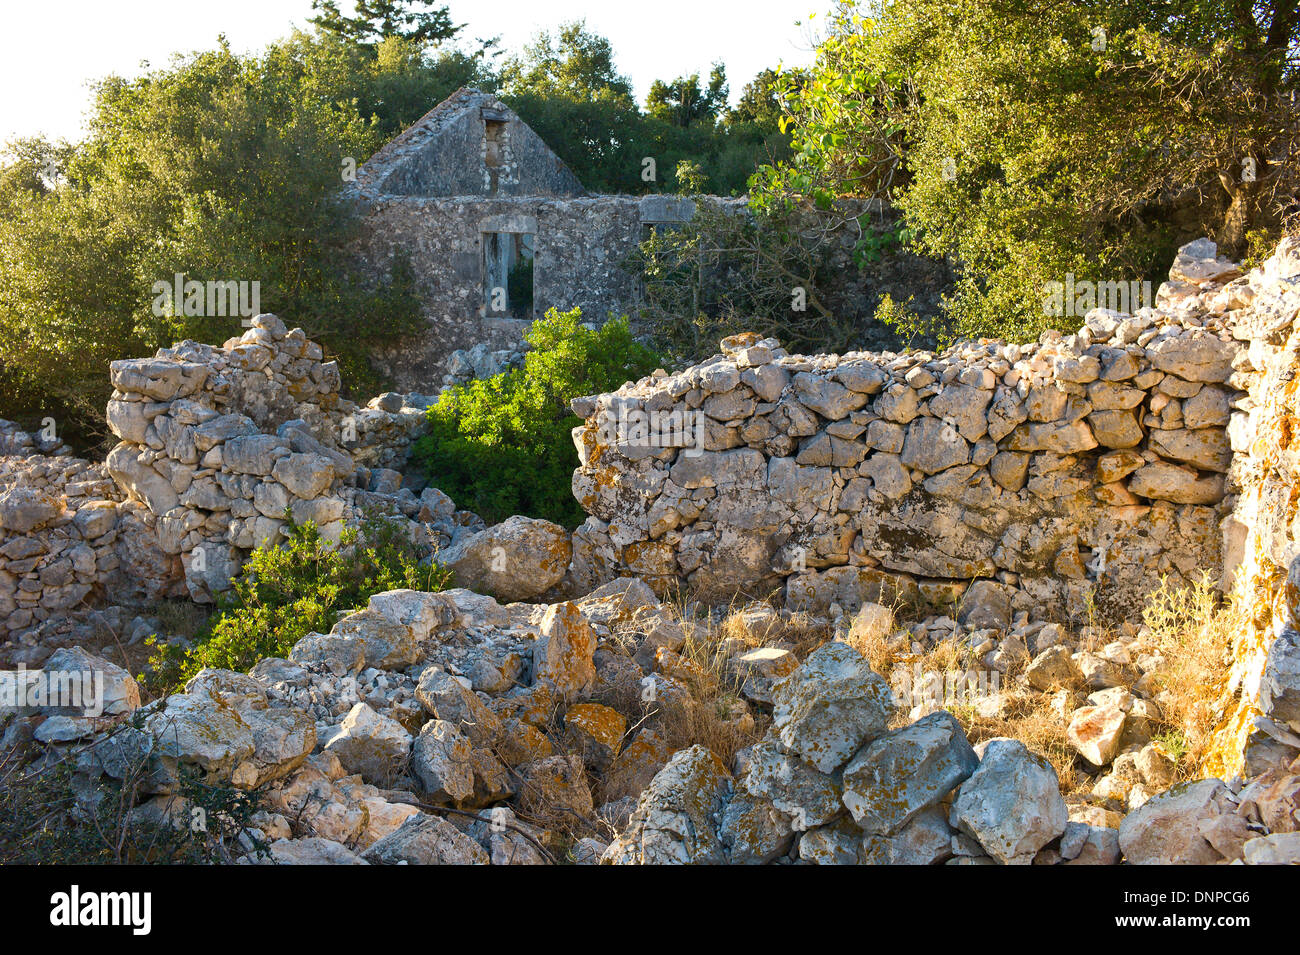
374, 174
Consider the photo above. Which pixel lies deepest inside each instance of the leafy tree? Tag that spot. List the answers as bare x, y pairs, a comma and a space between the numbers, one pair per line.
418, 21
762, 99
218, 167
1028, 139
729, 271
503, 445
683, 103
573, 64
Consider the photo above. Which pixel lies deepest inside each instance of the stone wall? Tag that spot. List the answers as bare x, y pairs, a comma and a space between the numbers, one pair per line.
219, 444
582, 247
1067, 476
68, 537
1261, 725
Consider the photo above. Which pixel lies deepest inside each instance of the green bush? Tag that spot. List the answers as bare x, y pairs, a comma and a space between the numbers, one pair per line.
503, 445
285, 592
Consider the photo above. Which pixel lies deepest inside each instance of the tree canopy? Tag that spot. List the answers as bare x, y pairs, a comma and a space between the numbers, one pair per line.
1031, 138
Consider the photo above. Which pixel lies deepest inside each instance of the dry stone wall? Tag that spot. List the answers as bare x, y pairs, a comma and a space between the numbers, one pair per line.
222, 446
1072, 473
1261, 728
203, 432
67, 537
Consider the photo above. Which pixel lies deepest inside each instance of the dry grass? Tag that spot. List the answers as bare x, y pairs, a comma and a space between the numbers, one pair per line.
1033, 719
1192, 629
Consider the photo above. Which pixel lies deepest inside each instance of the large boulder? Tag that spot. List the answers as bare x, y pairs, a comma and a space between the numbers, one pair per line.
564, 652
1012, 804
830, 706
925, 840
113, 690
1095, 732
442, 761
426, 840
371, 744
386, 645
675, 819
1193, 356
24, 509
313, 850
1280, 688
1166, 829
808, 797
197, 731
900, 774
517, 559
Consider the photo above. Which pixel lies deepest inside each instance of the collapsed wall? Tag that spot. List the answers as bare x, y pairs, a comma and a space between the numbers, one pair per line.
225, 446
220, 447
1067, 476
67, 536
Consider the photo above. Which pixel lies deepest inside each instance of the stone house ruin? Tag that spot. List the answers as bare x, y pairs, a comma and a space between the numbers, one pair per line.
497, 228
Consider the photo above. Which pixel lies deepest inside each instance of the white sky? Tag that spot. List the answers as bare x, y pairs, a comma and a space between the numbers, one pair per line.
49, 52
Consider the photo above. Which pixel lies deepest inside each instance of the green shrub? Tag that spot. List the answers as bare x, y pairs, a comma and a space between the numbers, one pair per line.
503, 445
285, 592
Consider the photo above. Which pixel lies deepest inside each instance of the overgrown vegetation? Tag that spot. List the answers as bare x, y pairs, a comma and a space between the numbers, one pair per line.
566, 86
216, 168
48, 819
1027, 140
503, 445
728, 271
1192, 629
287, 591
221, 167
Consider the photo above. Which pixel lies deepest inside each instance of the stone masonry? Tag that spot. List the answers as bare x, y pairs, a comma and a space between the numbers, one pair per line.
1074, 472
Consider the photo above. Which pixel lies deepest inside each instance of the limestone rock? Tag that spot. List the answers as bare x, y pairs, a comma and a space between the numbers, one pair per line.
426, 839
897, 776
1012, 804
563, 653
674, 822
830, 706
1095, 733
517, 559
373, 745
1165, 830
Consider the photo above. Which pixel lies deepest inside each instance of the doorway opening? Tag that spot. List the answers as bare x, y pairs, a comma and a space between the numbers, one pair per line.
508, 274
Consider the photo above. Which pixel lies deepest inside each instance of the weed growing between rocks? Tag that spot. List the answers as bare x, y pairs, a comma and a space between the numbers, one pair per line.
1191, 630
56, 808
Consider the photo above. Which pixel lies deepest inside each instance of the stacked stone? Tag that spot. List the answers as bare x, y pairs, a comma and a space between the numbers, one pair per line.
220, 444
387, 427
15, 442
67, 537
1081, 464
